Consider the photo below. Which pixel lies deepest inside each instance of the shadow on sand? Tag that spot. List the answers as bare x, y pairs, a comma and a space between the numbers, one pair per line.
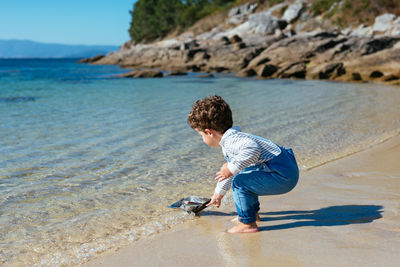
330, 216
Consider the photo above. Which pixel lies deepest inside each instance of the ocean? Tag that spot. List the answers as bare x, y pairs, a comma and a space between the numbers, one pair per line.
89, 162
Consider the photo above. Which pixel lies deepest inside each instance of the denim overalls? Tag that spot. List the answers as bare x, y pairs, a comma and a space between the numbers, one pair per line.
276, 176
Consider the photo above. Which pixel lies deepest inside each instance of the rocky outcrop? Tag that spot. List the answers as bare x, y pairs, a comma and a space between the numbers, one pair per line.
385, 24
92, 59
267, 46
141, 74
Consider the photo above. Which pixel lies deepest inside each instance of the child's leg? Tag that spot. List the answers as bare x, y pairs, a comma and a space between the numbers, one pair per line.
247, 207
256, 208
236, 219
246, 203
248, 185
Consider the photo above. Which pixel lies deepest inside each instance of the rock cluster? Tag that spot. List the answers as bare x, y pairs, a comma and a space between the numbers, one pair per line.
92, 59
141, 74
267, 46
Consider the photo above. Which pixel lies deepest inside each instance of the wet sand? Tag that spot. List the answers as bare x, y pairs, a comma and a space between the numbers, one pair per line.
343, 213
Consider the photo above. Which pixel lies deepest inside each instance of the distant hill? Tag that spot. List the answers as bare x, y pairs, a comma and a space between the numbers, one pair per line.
31, 49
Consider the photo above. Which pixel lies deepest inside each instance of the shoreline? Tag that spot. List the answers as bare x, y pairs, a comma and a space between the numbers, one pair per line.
361, 149
345, 207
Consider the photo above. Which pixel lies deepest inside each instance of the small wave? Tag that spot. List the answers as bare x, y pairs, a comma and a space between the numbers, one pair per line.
18, 99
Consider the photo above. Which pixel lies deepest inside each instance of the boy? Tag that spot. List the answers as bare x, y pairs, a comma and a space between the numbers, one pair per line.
255, 166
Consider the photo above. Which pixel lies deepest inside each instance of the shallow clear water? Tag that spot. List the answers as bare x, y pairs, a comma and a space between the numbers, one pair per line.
90, 163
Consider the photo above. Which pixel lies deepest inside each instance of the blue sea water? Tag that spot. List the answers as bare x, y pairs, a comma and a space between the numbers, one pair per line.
89, 163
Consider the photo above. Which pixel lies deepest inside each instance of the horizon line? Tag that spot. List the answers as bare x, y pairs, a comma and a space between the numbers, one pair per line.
51, 43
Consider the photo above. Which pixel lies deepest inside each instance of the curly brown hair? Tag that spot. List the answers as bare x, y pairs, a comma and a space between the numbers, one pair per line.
210, 113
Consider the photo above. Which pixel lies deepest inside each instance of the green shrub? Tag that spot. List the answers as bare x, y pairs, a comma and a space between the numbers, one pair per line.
275, 2
321, 6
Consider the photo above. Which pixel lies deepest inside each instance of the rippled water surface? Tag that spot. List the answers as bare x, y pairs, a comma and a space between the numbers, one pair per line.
89, 162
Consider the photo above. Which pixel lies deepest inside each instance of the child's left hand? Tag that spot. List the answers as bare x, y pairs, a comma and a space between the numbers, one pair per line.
215, 200
223, 173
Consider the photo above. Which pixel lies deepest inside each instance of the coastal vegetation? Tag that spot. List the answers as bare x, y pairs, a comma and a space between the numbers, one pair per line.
155, 19
344, 13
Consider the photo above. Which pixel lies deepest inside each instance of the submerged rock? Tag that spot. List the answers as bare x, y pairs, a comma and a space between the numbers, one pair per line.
177, 73
141, 74
208, 75
246, 73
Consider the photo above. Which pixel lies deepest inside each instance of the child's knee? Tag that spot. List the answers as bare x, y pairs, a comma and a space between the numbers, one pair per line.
237, 182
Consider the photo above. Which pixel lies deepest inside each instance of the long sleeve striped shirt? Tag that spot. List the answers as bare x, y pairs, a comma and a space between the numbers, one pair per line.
242, 150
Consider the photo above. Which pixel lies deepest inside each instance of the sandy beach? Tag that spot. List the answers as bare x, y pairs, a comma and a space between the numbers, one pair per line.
343, 213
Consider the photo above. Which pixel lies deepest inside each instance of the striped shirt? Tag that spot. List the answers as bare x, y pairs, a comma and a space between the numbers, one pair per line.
242, 150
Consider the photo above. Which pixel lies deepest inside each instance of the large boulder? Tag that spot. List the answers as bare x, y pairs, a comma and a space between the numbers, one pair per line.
376, 74
390, 77
258, 24
261, 23
128, 45
246, 73
329, 43
268, 70
379, 44
327, 71
387, 61
238, 15
286, 50
223, 58
242, 10
294, 10
396, 27
383, 23
294, 70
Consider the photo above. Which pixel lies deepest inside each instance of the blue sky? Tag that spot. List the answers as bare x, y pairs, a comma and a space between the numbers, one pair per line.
92, 22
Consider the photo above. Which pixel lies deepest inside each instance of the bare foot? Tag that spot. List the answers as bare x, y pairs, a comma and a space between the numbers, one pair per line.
236, 219
244, 228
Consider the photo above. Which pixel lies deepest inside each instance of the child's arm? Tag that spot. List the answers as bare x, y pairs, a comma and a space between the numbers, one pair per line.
223, 173
224, 177
220, 191
246, 153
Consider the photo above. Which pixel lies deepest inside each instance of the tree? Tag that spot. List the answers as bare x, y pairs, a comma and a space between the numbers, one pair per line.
152, 19
167, 13
143, 23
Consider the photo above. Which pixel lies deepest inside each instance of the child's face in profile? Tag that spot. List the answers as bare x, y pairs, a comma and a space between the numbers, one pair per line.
210, 138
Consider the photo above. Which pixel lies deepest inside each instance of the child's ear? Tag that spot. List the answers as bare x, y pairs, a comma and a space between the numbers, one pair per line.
208, 131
